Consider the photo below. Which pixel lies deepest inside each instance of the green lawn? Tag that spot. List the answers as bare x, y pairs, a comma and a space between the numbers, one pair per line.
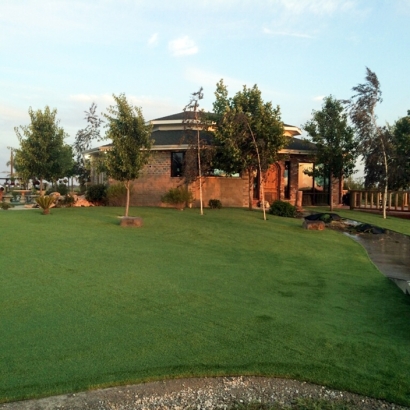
85, 303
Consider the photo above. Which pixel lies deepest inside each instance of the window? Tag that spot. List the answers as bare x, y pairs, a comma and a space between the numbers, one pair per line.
286, 179
177, 164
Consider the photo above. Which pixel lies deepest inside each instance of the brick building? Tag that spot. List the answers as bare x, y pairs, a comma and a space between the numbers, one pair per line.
164, 171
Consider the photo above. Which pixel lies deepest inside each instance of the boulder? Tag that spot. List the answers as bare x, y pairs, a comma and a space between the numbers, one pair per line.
314, 225
132, 221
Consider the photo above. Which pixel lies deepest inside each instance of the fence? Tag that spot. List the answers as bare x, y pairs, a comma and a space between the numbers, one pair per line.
396, 200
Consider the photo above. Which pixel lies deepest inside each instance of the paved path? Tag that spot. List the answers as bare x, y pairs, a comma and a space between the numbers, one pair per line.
390, 252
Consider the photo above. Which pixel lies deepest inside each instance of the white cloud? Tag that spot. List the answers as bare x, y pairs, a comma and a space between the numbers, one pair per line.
183, 46
318, 98
153, 40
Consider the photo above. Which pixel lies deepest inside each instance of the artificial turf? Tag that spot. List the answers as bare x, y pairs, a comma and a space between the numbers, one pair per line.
85, 303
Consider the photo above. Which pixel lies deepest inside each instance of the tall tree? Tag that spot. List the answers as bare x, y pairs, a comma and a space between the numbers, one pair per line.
249, 133
41, 146
83, 141
131, 143
335, 143
372, 139
400, 175
198, 157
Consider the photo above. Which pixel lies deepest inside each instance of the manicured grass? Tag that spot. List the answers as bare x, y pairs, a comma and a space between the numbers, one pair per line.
393, 223
85, 303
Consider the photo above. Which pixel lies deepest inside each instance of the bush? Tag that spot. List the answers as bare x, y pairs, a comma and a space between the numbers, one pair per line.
117, 195
281, 208
215, 204
5, 206
68, 200
175, 196
97, 194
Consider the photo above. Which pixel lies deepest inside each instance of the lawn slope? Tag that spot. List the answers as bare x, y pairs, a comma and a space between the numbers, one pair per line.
85, 303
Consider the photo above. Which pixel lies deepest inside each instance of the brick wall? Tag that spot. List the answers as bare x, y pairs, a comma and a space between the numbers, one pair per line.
155, 180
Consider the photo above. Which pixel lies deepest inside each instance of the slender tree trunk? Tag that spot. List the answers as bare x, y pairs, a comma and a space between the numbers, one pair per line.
386, 179
41, 187
331, 190
250, 188
200, 173
127, 204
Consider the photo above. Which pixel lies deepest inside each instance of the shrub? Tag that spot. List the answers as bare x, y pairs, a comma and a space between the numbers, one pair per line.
61, 189
176, 196
5, 206
281, 208
68, 200
97, 194
45, 202
215, 204
117, 195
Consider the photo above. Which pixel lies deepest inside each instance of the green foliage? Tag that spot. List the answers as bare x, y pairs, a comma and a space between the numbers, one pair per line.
245, 122
400, 167
215, 204
117, 194
68, 200
175, 196
334, 139
83, 141
45, 202
5, 206
281, 208
62, 189
43, 153
97, 193
131, 142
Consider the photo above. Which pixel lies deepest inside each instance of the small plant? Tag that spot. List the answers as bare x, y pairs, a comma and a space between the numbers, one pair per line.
45, 202
281, 208
178, 196
97, 194
215, 204
117, 195
68, 200
5, 206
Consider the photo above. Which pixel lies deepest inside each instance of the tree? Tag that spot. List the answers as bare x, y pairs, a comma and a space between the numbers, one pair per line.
335, 143
249, 133
83, 141
131, 143
198, 157
42, 147
372, 139
401, 162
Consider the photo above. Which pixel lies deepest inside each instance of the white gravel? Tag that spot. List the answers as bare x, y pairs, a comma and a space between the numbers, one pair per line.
198, 394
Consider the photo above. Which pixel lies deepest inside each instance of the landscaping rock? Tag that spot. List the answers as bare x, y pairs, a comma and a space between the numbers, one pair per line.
313, 225
132, 221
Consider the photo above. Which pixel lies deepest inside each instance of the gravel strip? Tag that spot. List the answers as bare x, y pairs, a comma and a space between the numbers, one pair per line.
199, 394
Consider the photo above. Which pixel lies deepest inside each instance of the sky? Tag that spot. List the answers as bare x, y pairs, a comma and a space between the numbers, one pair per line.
67, 54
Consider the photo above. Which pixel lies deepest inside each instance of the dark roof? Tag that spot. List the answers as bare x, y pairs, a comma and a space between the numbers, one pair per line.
177, 137
180, 116
300, 145
190, 115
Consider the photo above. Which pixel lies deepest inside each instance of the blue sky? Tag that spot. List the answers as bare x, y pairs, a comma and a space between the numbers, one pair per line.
69, 53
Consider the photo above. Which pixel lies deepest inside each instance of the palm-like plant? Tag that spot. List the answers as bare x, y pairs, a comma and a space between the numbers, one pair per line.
45, 202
